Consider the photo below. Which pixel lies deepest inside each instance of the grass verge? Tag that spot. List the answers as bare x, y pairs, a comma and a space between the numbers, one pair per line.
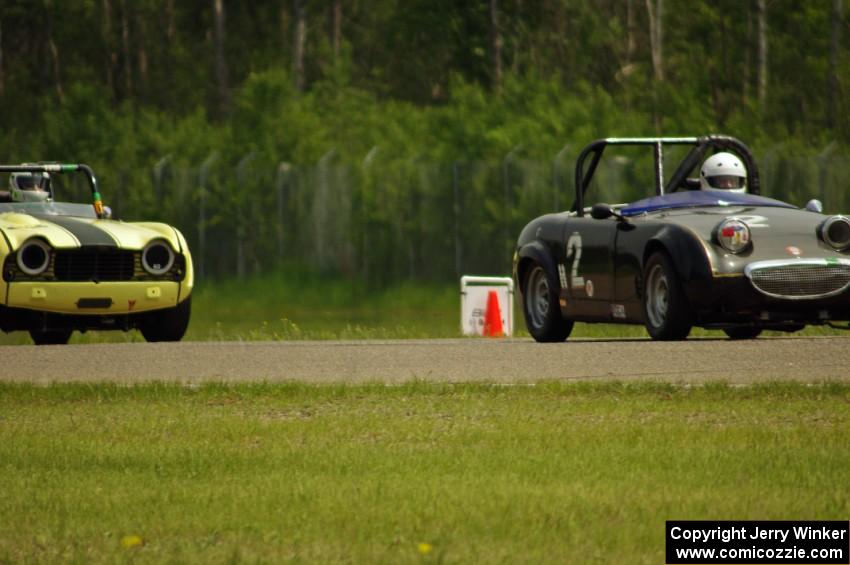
421, 472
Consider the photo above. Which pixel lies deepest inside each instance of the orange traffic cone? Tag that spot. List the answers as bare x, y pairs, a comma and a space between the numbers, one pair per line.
493, 316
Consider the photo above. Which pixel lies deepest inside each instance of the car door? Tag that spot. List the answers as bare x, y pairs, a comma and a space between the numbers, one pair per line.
629, 245
587, 270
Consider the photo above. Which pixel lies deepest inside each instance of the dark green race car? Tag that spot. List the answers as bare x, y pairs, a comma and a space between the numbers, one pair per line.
693, 254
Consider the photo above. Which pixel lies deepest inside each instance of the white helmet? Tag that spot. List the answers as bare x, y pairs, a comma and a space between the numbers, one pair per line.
723, 171
29, 187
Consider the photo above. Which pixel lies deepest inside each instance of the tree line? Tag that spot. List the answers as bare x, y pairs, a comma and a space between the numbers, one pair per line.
131, 85
783, 59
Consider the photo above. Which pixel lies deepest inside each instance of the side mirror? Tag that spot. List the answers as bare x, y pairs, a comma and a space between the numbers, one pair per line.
814, 205
604, 211
601, 211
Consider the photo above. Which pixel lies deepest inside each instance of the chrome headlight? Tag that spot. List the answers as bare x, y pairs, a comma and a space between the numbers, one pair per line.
733, 235
835, 231
157, 257
34, 257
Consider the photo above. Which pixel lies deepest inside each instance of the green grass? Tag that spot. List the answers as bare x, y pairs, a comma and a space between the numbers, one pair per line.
285, 472
297, 305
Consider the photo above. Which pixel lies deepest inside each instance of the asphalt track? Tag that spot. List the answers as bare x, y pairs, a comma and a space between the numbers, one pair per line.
813, 359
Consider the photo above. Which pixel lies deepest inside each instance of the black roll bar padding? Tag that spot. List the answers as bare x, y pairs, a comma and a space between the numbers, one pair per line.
688, 163
583, 180
723, 143
90, 175
729, 142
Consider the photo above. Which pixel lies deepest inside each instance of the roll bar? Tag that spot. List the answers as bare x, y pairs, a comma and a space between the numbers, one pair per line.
62, 168
701, 146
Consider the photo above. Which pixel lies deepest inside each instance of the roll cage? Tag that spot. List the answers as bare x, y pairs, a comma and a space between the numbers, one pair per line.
62, 168
701, 145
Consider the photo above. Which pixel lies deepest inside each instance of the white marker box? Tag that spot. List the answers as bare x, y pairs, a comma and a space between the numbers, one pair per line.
474, 292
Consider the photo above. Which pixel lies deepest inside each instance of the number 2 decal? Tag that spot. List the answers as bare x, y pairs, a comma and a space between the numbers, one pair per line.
574, 251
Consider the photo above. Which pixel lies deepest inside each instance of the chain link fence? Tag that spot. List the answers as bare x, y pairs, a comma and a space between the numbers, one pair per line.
385, 220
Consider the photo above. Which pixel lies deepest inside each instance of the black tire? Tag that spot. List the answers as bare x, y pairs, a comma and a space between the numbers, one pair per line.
667, 314
50, 337
540, 306
167, 325
743, 332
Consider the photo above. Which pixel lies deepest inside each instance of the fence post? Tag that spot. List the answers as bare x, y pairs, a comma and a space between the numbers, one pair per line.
457, 210
320, 209
158, 174
282, 181
407, 220
240, 220
823, 161
203, 177
556, 175
366, 243
506, 185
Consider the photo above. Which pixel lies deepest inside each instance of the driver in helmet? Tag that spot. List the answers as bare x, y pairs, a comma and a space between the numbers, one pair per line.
723, 171
29, 187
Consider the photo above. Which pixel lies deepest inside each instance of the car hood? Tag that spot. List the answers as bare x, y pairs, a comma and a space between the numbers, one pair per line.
69, 232
776, 233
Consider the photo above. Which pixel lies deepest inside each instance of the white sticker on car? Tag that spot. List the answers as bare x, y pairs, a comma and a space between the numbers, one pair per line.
754, 221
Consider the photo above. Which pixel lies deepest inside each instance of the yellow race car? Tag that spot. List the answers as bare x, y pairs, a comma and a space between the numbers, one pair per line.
69, 266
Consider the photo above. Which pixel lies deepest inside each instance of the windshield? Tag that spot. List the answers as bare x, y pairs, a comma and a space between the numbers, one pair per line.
626, 173
698, 199
49, 209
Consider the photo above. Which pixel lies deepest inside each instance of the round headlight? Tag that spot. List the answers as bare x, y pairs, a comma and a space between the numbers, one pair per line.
733, 235
34, 257
157, 257
836, 232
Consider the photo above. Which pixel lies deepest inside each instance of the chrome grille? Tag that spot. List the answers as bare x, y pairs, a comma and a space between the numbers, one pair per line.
800, 279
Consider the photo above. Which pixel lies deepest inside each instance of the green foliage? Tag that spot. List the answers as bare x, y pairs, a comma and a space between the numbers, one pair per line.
399, 145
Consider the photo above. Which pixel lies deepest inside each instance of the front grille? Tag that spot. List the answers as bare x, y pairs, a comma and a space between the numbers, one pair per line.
94, 265
801, 279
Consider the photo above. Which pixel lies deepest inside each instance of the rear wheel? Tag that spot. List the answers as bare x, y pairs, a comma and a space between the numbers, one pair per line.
50, 337
540, 306
167, 325
666, 310
743, 332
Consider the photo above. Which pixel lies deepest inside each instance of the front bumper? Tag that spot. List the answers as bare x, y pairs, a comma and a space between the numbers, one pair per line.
89, 298
734, 300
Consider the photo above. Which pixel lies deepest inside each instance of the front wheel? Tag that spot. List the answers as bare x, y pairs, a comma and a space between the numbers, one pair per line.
167, 325
50, 337
666, 310
540, 306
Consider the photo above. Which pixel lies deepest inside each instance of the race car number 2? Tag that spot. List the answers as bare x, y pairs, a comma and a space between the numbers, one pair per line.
574, 252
